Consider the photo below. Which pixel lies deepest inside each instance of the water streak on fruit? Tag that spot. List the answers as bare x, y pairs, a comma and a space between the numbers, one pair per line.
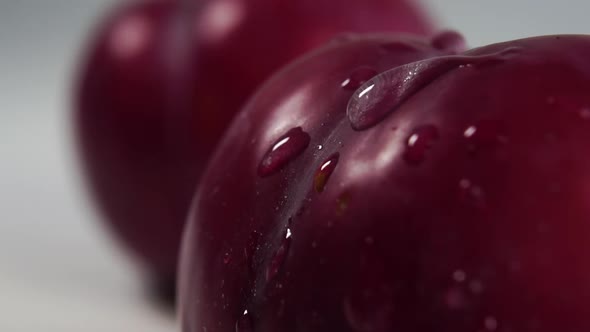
419, 142
323, 173
245, 323
384, 93
358, 78
450, 41
279, 257
287, 148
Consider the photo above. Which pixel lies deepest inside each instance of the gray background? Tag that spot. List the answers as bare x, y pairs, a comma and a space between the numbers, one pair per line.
58, 269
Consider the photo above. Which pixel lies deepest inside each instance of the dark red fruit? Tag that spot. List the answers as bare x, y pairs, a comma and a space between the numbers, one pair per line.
459, 207
267, 178
164, 78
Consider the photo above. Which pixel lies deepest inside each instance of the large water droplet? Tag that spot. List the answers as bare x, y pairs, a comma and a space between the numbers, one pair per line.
323, 173
358, 77
419, 142
279, 257
245, 323
287, 147
384, 93
450, 41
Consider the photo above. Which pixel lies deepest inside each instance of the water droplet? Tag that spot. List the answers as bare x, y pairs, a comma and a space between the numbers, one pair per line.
279, 257
384, 93
484, 134
470, 131
358, 77
342, 203
251, 248
323, 173
450, 41
226, 258
419, 142
490, 323
287, 147
471, 193
459, 276
585, 113
320, 147
245, 323
455, 299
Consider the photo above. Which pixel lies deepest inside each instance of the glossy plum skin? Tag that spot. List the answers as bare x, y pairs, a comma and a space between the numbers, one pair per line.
463, 209
160, 82
235, 205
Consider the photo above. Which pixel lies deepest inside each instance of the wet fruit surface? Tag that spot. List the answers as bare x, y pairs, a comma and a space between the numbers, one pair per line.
163, 79
323, 173
385, 92
484, 228
287, 148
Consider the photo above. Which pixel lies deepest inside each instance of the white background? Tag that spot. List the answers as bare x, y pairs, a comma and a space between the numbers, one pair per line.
58, 269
